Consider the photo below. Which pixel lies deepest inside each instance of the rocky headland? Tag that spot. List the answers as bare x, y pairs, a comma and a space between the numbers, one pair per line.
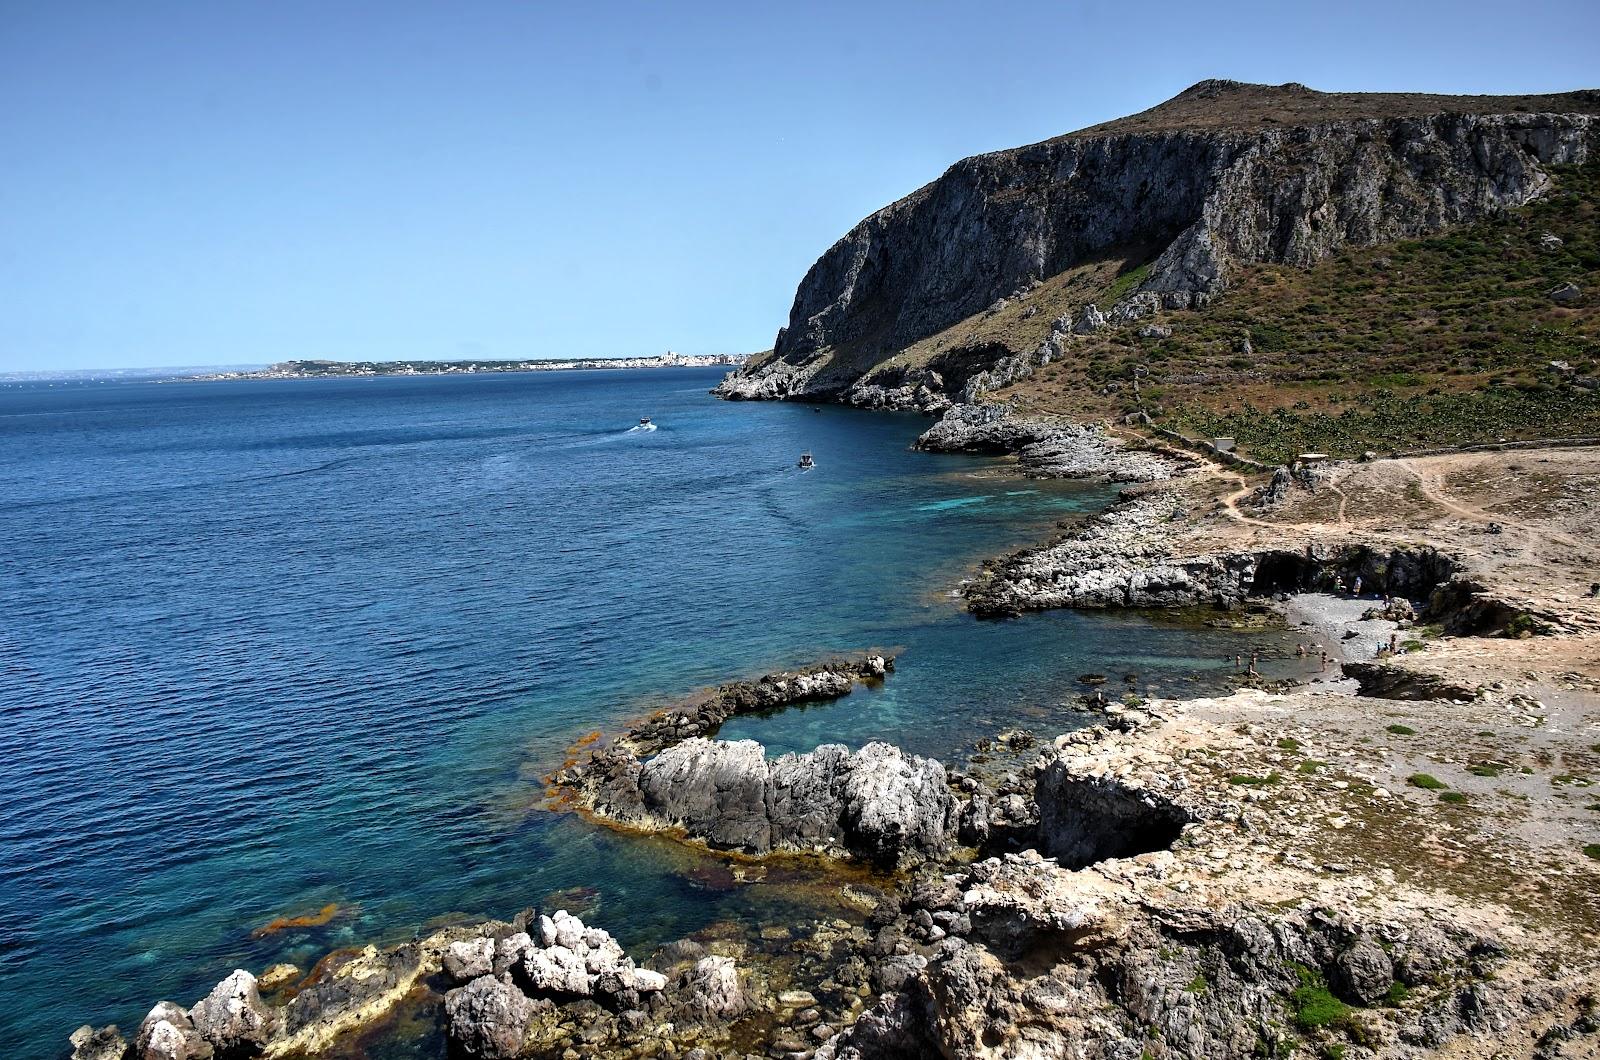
1219, 177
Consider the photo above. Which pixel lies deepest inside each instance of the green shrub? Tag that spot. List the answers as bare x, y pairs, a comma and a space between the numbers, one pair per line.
1426, 782
1313, 1004
1402, 730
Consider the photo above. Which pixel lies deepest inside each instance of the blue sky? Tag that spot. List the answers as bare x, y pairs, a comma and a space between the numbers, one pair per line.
225, 182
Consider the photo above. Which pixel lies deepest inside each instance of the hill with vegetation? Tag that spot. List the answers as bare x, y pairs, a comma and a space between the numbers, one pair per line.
1238, 251
1489, 331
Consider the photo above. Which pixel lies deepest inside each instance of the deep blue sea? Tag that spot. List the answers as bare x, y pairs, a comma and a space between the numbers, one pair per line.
269, 646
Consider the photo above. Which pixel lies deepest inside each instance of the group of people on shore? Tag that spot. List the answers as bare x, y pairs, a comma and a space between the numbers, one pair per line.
1346, 587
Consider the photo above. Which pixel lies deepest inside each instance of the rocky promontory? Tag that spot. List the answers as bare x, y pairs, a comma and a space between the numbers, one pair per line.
1222, 175
1047, 447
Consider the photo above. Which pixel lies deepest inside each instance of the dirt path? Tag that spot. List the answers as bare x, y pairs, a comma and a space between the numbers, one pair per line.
1432, 486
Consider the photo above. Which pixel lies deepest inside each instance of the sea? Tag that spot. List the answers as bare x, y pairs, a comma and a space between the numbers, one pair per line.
283, 663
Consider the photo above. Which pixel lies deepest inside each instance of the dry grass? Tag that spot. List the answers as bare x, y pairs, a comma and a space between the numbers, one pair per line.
1426, 342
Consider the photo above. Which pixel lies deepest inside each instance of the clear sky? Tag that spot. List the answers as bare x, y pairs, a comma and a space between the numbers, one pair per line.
220, 182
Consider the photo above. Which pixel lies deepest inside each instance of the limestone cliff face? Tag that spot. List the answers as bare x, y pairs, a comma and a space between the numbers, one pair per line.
1269, 181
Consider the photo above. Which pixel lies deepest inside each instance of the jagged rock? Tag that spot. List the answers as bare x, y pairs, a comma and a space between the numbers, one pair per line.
488, 1017
233, 1018
1155, 331
557, 970
1550, 241
1566, 293
1122, 558
351, 987
277, 975
105, 1043
1020, 901
168, 1033
714, 790
511, 949
1135, 307
1089, 321
469, 959
894, 802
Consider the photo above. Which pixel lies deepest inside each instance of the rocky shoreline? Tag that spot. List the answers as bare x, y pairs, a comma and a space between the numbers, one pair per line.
1210, 878
1136, 893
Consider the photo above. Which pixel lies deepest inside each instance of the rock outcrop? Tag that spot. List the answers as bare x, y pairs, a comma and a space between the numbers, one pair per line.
1287, 175
878, 804
702, 715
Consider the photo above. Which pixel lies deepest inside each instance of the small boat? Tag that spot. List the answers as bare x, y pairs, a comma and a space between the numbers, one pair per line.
644, 421
806, 463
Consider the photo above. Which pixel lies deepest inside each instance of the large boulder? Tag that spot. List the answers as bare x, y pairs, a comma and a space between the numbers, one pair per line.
488, 1017
715, 790
1363, 972
805, 796
878, 803
233, 1018
558, 971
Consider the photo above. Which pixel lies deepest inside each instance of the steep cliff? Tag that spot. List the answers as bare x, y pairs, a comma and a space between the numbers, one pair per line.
1149, 213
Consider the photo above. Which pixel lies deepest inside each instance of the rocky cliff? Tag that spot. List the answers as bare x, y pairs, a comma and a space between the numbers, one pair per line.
1222, 175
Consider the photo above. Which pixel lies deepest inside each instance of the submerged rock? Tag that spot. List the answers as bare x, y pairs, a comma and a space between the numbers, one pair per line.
104, 1043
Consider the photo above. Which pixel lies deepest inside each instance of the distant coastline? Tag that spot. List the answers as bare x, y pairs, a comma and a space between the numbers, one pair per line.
308, 369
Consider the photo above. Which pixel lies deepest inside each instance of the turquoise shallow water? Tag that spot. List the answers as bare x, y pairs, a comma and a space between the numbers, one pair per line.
269, 646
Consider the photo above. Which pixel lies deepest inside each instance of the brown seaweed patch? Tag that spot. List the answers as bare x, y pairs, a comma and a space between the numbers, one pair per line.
318, 919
